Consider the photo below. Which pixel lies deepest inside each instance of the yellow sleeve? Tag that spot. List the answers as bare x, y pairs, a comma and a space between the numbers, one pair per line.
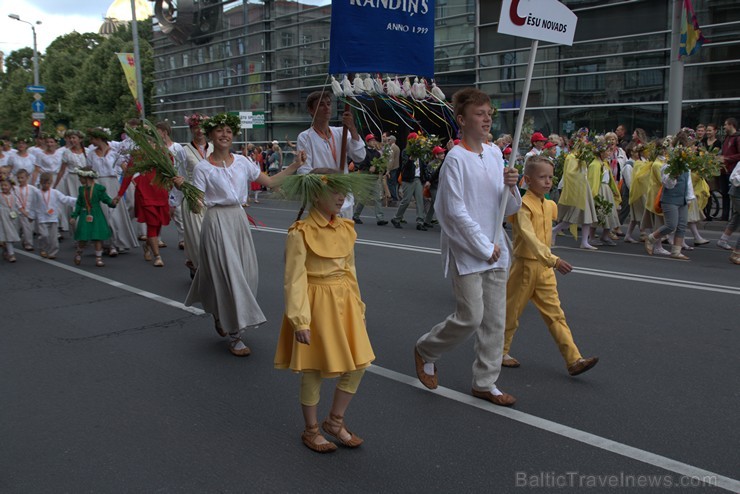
527, 235
352, 272
297, 307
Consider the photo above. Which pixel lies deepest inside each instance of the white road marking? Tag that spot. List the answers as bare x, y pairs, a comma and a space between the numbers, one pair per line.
615, 447
693, 285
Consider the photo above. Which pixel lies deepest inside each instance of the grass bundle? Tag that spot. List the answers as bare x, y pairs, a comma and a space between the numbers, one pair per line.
307, 188
151, 153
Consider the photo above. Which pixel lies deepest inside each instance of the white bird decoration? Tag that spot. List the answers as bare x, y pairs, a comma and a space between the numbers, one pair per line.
437, 92
418, 90
369, 85
336, 88
406, 87
393, 88
357, 86
347, 88
378, 83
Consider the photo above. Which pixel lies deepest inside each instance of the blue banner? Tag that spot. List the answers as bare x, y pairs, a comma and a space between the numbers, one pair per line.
389, 36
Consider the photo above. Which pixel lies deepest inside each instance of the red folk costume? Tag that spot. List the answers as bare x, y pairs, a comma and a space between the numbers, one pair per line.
151, 204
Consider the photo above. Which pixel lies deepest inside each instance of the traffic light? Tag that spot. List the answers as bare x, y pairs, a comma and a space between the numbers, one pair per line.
36, 128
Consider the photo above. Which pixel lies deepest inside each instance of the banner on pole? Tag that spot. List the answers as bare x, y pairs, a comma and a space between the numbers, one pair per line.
395, 36
129, 70
691, 37
543, 20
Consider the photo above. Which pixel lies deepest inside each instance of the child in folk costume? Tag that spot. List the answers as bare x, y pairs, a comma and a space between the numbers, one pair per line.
677, 192
653, 217
91, 223
531, 276
576, 203
603, 186
151, 205
9, 213
27, 196
636, 175
46, 212
323, 333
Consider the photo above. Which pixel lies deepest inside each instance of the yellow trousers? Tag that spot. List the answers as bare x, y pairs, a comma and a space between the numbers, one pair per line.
531, 280
311, 385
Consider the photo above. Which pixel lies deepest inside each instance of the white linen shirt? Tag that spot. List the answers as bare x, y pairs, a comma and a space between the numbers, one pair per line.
50, 163
228, 186
51, 200
468, 199
180, 164
319, 150
108, 165
18, 163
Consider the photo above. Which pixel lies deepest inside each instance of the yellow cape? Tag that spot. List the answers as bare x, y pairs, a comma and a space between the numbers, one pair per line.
575, 185
701, 190
640, 177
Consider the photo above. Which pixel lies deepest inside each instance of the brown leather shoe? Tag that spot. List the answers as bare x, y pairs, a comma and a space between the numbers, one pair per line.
427, 380
582, 365
241, 352
509, 361
504, 400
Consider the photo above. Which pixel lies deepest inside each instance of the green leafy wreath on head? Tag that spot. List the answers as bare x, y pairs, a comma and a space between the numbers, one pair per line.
310, 187
222, 120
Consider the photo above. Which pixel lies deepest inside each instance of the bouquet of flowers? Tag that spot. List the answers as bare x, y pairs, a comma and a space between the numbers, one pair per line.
585, 151
707, 164
678, 161
151, 153
421, 147
603, 209
381, 162
559, 162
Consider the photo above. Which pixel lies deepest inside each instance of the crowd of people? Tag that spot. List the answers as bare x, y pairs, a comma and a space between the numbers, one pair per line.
102, 191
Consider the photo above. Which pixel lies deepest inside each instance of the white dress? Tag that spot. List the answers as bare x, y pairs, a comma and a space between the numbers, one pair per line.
227, 277
18, 163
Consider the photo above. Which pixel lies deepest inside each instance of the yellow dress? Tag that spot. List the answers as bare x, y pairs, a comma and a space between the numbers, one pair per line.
640, 178
654, 184
696, 206
576, 203
322, 294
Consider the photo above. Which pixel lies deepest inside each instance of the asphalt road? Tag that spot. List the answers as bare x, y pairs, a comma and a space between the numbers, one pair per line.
109, 385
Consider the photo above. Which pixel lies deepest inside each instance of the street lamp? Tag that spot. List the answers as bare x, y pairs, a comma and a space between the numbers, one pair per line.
35, 51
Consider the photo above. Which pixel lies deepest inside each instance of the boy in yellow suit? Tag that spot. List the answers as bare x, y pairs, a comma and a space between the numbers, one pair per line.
532, 276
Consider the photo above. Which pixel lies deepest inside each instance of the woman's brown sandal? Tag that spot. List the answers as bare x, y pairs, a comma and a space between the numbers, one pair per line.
334, 425
238, 352
219, 328
99, 262
309, 437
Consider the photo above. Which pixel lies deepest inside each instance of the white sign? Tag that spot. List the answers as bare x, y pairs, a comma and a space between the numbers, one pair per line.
543, 20
38, 115
251, 120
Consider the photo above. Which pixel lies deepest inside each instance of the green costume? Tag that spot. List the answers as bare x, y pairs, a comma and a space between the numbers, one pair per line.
98, 228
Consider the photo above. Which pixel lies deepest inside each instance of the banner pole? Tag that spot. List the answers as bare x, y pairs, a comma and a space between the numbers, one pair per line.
345, 131
517, 131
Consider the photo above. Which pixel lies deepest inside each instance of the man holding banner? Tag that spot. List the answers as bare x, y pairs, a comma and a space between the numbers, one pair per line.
323, 144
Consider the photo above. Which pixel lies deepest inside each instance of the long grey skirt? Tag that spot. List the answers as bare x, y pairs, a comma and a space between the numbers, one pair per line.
124, 234
69, 185
192, 224
226, 281
578, 216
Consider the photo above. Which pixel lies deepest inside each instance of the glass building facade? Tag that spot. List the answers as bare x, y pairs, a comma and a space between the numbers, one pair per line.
267, 56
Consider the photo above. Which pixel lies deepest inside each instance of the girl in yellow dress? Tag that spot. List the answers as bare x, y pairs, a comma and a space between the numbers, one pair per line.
636, 177
323, 333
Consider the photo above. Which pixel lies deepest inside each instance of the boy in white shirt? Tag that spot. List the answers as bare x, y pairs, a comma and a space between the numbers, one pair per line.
471, 186
46, 211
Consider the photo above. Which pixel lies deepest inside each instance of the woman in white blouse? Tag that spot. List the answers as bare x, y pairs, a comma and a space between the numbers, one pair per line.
108, 165
226, 280
73, 157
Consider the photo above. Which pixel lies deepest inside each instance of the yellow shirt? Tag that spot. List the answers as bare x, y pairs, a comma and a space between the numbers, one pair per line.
317, 249
532, 227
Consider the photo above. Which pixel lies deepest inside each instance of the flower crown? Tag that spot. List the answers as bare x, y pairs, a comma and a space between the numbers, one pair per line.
98, 133
222, 120
196, 119
18, 139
